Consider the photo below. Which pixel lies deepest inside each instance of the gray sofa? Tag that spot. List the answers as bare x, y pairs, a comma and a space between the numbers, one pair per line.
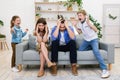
26, 54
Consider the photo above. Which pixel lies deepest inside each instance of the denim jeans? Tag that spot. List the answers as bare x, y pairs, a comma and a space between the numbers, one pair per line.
93, 44
71, 46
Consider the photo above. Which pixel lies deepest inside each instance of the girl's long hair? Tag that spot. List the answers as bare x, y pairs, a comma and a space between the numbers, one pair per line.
40, 20
13, 19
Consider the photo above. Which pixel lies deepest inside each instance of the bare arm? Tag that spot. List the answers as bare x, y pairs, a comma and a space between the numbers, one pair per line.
45, 37
39, 38
91, 26
56, 32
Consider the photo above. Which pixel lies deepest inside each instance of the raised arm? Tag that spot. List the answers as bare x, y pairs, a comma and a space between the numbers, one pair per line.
70, 32
45, 37
24, 33
39, 38
74, 23
78, 30
90, 25
56, 32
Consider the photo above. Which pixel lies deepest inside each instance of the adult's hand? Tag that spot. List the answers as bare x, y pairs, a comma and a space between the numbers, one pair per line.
58, 23
66, 24
46, 28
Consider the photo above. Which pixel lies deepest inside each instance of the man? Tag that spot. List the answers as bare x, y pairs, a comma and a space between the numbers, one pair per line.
63, 39
90, 39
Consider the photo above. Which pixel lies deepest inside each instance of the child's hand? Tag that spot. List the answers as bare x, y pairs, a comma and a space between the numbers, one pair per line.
88, 20
12, 30
74, 23
26, 30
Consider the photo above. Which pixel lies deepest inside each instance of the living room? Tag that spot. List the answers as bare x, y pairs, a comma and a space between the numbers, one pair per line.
106, 12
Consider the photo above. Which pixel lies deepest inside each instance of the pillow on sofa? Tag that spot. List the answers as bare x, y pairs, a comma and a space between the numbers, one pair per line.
32, 42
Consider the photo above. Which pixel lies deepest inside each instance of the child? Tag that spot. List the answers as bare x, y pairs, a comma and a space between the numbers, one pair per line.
17, 35
41, 32
89, 32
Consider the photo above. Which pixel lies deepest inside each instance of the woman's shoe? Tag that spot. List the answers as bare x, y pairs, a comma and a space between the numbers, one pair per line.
49, 64
40, 73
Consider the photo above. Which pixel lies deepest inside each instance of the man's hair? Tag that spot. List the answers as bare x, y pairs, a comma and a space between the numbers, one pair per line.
82, 11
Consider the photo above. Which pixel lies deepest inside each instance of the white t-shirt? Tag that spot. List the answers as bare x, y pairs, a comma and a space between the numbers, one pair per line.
62, 39
88, 33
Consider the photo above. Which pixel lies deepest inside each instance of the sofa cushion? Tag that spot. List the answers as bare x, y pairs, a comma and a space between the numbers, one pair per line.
31, 55
32, 42
88, 55
85, 55
63, 56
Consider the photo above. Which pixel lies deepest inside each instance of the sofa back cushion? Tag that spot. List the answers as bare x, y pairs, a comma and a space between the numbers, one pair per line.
79, 39
32, 42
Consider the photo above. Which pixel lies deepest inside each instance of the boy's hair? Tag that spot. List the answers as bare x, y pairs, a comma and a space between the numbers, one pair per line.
13, 19
82, 11
40, 20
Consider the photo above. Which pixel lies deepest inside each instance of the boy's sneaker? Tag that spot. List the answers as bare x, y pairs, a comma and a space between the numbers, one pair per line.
105, 74
14, 69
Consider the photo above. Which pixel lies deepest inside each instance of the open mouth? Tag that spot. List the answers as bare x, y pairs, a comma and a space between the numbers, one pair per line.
18, 23
80, 19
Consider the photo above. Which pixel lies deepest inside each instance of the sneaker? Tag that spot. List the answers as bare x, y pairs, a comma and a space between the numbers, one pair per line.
14, 69
105, 74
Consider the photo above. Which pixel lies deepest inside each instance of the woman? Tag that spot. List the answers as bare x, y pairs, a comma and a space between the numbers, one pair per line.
41, 32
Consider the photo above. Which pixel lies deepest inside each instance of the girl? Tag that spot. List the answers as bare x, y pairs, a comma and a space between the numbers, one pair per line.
41, 32
17, 35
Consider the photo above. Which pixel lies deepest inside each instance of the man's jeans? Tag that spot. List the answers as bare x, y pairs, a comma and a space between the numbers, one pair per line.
93, 44
71, 46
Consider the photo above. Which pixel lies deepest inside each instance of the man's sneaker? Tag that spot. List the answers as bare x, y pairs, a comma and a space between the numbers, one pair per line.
105, 74
14, 69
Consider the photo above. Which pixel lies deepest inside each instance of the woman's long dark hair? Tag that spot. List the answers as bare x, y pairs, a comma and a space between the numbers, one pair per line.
40, 20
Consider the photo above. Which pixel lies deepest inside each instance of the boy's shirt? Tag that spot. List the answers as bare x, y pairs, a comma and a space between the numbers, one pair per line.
88, 33
17, 35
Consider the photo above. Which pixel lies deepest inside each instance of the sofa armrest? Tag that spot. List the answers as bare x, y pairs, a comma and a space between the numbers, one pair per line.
110, 51
20, 48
